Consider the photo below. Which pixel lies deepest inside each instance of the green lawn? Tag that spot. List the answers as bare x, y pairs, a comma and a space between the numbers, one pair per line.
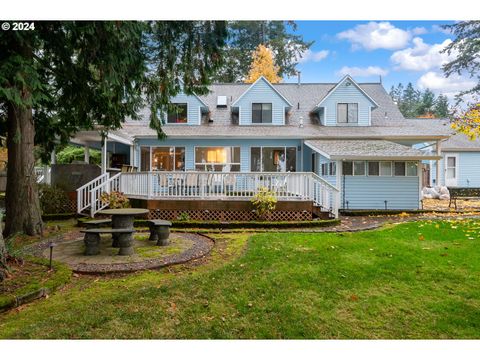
415, 280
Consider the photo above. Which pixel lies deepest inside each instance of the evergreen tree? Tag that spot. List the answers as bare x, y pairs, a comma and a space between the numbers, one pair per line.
410, 101
441, 109
467, 45
67, 76
263, 64
245, 36
427, 103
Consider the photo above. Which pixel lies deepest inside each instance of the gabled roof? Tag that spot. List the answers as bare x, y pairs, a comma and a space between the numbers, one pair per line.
461, 142
269, 84
198, 97
349, 78
367, 150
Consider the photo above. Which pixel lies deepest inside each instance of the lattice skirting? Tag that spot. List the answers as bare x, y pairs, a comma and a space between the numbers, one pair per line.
226, 215
64, 207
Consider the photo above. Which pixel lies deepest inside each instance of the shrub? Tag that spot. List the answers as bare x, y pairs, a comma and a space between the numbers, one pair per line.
183, 217
53, 200
74, 153
264, 202
115, 200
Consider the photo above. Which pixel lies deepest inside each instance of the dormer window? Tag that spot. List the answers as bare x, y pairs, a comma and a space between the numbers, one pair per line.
261, 113
177, 114
347, 113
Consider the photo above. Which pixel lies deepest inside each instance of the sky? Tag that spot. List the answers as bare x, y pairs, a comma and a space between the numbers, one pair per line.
398, 51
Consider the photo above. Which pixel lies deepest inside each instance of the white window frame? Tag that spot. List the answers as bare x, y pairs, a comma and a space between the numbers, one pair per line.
166, 146
261, 156
261, 123
353, 167
188, 120
206, 164
348, 103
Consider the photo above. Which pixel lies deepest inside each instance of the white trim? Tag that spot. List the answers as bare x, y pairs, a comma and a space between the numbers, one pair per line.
445, 166
420, 181
188, 120
336, 114
261, 157
218, 146
261, 123
324, 154
354, 83
269, 84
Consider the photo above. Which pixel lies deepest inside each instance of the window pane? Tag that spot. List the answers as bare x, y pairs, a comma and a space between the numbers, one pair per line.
266, 113
255, 159
273, 159
359, 168
451, 161
291, 159
347, 168
385, 168
256, 113
180, 159
216, 158
324, 169
178, 114
341, 113
373, 168
399, 168
162, 158
352, 113
333, 169
411, 168
145, 158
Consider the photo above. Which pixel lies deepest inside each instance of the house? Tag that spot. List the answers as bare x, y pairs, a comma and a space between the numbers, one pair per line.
320, 147
460, 163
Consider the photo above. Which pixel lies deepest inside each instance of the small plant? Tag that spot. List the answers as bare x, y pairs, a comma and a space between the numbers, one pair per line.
183, 217
264, 202
115, 200
53, 200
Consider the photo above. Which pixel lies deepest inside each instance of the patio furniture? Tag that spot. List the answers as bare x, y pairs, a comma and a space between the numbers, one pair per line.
191, 183
95, 224
92, 240
462, 193
159, 231
122, 219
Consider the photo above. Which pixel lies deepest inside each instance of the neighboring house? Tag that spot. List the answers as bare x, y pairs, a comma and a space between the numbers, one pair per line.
460, 163
333, 145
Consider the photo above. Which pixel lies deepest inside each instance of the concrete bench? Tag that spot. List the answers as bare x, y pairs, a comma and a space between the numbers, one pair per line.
159, 231
95, 224
462, 193
92, 240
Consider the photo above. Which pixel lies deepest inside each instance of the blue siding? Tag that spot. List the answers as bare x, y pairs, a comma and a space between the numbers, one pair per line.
193, 108
245, 145
370, 192
347, 94
261, 92
323, 160
468, 169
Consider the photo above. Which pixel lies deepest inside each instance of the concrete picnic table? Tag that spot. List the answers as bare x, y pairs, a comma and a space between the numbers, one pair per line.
122, 219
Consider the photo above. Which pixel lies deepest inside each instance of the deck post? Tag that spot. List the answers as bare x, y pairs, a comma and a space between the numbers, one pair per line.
86, 154
439, 153
104, 155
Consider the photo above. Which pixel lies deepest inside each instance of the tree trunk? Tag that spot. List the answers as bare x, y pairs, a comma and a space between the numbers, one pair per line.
3, 254
21, 203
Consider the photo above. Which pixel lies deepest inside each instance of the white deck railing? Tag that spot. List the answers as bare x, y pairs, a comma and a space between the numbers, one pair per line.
209, 185
222, 185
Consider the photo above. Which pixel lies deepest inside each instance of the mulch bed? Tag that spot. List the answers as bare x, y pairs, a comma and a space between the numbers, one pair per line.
202, 246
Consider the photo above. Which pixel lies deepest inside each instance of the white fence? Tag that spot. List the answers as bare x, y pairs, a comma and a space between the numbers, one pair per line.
210, 185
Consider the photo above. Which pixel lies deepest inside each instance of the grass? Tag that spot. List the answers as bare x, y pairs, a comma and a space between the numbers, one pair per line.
414, 280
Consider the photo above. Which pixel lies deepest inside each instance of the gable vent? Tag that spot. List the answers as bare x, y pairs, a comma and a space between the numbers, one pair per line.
221, 101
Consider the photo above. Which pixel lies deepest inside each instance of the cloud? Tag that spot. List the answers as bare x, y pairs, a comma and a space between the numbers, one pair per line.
439, 28
422, 56
362, 72
450, 86
313, 56
419, 31
378, 35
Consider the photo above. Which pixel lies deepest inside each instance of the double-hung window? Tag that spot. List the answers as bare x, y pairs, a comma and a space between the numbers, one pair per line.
261, 113
347, 113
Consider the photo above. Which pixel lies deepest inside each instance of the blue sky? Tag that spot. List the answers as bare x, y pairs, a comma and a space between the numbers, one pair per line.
401, 51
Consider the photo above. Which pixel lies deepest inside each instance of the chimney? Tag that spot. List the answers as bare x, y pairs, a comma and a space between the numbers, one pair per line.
298, 77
